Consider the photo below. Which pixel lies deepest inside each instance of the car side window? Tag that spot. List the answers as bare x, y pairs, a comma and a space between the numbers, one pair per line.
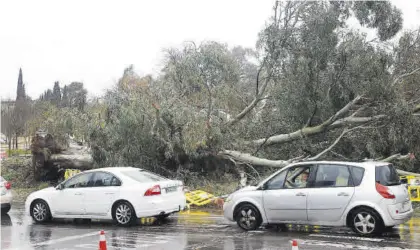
277, 182
297, 177
333, 176
357, 174
102, 179
79, 181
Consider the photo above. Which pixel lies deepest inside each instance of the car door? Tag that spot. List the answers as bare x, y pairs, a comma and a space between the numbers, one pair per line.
69, 200
330, 193
101, 193
284, 196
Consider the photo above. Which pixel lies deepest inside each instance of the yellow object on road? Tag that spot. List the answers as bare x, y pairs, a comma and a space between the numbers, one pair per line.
413, 186
70, 172
414, 192
198, 198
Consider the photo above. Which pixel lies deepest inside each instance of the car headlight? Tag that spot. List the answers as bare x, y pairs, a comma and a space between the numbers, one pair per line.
229, 198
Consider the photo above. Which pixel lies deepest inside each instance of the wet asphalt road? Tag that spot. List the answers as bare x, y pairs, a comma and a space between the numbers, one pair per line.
190, 230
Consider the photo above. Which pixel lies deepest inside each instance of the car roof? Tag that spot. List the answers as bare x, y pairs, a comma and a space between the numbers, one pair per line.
112, 169
357, 164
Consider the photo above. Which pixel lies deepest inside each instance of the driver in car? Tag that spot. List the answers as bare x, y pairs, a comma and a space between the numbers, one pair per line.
303, 180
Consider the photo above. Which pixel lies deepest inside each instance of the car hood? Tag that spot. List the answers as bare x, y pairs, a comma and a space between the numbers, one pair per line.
247, 188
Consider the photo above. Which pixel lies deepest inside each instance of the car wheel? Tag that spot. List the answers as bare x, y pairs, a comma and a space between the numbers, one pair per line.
248, 217
40, 211
366, 222
124, 214
5, 210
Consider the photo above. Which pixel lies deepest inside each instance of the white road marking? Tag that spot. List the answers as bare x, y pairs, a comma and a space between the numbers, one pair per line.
347, 237
144, 240
51, 242
74, 237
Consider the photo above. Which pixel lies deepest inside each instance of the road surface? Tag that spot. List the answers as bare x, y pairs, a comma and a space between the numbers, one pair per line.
190, 230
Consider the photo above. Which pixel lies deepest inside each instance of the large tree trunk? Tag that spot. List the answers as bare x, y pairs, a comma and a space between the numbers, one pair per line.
48, 157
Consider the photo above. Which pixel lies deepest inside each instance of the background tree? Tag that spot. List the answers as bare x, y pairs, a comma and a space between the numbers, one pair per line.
56, 94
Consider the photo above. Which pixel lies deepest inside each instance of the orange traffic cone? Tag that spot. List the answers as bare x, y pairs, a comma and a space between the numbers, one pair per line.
102, 241
295, 245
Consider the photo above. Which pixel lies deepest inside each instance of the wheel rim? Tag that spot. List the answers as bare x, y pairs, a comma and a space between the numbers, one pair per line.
364, 223
247, 218
123, 214
39, 211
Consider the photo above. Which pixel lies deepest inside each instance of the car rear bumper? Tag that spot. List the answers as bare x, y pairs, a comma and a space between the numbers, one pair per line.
160, 206
394, 220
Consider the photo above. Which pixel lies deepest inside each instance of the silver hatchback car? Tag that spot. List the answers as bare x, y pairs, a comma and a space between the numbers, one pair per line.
368, 197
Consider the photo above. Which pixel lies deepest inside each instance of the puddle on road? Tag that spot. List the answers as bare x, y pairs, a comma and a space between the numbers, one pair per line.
20, 228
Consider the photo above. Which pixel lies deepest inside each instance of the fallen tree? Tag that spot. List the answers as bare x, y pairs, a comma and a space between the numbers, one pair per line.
49, 159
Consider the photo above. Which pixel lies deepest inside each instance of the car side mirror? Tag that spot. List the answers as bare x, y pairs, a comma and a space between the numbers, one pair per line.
59, 187
263, 186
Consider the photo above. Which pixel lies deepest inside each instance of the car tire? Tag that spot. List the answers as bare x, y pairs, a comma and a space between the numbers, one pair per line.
5, 210
40, 211
366, 222
248, 217
124, 214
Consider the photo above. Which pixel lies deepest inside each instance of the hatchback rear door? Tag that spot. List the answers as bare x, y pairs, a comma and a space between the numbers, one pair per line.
387, 175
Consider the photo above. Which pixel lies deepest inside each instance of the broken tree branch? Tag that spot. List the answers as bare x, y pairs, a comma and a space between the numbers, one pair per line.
247, 158
258, 97
345, 131
333, 122
330, 147
399, 78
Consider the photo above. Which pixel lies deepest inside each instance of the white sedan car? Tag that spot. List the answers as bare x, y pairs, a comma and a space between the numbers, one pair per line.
6, 195
119, 193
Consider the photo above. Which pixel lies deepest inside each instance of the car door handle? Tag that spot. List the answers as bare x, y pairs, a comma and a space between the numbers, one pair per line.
300, 194
78, 194
342, 194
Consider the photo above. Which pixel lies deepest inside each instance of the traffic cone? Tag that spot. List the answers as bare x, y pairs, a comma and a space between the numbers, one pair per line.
295, 245
102, 241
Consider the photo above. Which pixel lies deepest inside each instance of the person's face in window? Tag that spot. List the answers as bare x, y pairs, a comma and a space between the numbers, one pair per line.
304, 177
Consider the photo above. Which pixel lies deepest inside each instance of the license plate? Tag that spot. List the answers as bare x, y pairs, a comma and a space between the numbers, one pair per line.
406, 206
171, 189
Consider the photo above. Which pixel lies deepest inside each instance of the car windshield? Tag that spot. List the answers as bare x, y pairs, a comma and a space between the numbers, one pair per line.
387, 175
143, 175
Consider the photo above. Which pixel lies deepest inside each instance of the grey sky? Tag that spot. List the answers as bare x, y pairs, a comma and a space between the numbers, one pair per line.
93, 41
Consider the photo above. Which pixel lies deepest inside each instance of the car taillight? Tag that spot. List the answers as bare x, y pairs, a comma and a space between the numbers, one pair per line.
155, 190
8, 185
384, 191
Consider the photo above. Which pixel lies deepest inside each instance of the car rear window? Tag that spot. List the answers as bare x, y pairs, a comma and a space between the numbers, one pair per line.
143, 175
387, 175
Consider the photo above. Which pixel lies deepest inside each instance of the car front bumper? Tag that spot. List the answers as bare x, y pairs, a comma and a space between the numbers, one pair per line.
228, 210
